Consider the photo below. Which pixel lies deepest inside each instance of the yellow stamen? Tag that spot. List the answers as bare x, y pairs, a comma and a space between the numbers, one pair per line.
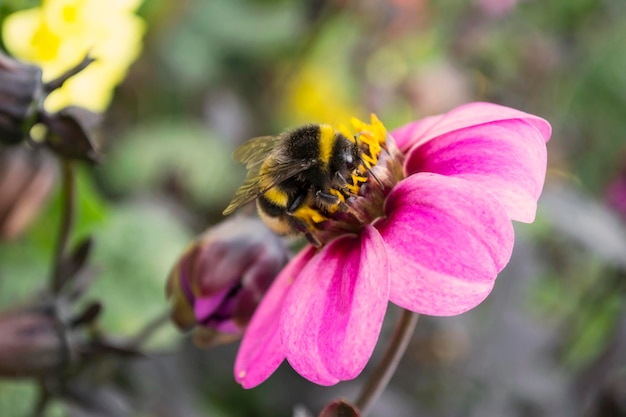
338, 194
373, 136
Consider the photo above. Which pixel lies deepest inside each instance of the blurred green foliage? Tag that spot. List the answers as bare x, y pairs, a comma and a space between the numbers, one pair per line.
197, 161
17, 399
21, 275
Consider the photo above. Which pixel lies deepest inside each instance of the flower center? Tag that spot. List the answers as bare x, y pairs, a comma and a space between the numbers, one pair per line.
361, 200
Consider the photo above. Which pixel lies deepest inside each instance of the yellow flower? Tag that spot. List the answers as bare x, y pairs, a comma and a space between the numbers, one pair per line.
316, 94
58, 35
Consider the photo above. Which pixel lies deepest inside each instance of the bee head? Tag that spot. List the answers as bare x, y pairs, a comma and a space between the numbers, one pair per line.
347, 160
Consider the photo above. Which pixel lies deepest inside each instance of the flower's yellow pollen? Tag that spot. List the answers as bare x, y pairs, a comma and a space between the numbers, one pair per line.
339, 195
309, 215
378, 129
358, 178
370, 162
354, 189
358, 125
242, 374
373, 136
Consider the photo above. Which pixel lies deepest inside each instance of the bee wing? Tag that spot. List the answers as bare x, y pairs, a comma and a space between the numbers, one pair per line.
249, 190
279, 170
257, 184
254, 151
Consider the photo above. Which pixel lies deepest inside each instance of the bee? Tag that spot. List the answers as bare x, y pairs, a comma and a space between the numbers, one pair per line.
299, 177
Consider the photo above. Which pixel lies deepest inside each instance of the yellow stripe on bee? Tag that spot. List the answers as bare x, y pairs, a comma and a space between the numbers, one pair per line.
327, 141
277, 224
277, 196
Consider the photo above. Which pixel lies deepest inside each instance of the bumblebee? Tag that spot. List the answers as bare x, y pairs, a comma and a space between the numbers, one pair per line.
299, 177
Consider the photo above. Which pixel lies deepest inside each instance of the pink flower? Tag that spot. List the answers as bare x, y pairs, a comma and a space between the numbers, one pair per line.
444, 235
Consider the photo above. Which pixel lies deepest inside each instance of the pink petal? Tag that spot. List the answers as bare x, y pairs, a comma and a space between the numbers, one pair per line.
506, 157
334, 312
205, 306
260, 352
446, 241
406, 136
471, 114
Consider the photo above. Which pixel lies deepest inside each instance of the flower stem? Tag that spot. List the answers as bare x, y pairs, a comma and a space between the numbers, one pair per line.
42, 400
67, 220
149, 330
58, 82
378, 381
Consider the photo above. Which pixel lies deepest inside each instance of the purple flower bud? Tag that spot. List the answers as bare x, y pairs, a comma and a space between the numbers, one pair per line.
20, 88
616, 194
222, 276
26, 181
21, 95
30, 344
339, 408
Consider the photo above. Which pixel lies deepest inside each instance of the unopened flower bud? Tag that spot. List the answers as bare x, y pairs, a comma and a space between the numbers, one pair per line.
616, 194
26, 181
339, 408
30, 344
20, 87
222, 276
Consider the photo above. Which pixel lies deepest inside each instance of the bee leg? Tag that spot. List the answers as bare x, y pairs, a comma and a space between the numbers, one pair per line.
340, 180
312, 239
327, 199
297, 202
302, 228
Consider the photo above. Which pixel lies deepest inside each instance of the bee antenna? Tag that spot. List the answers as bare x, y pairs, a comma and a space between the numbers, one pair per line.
371, 172
356, 144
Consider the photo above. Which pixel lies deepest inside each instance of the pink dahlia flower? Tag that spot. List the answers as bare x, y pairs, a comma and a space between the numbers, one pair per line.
442, 234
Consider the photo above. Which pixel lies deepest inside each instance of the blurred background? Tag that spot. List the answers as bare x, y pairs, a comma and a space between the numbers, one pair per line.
551, 338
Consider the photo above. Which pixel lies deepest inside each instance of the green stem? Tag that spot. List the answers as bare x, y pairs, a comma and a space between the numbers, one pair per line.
149, 330
58, 82
378, 381
68, 197
42, 400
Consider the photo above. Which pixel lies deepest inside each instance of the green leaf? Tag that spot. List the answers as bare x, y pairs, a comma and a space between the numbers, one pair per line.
18, 399
134, 253
173, 150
